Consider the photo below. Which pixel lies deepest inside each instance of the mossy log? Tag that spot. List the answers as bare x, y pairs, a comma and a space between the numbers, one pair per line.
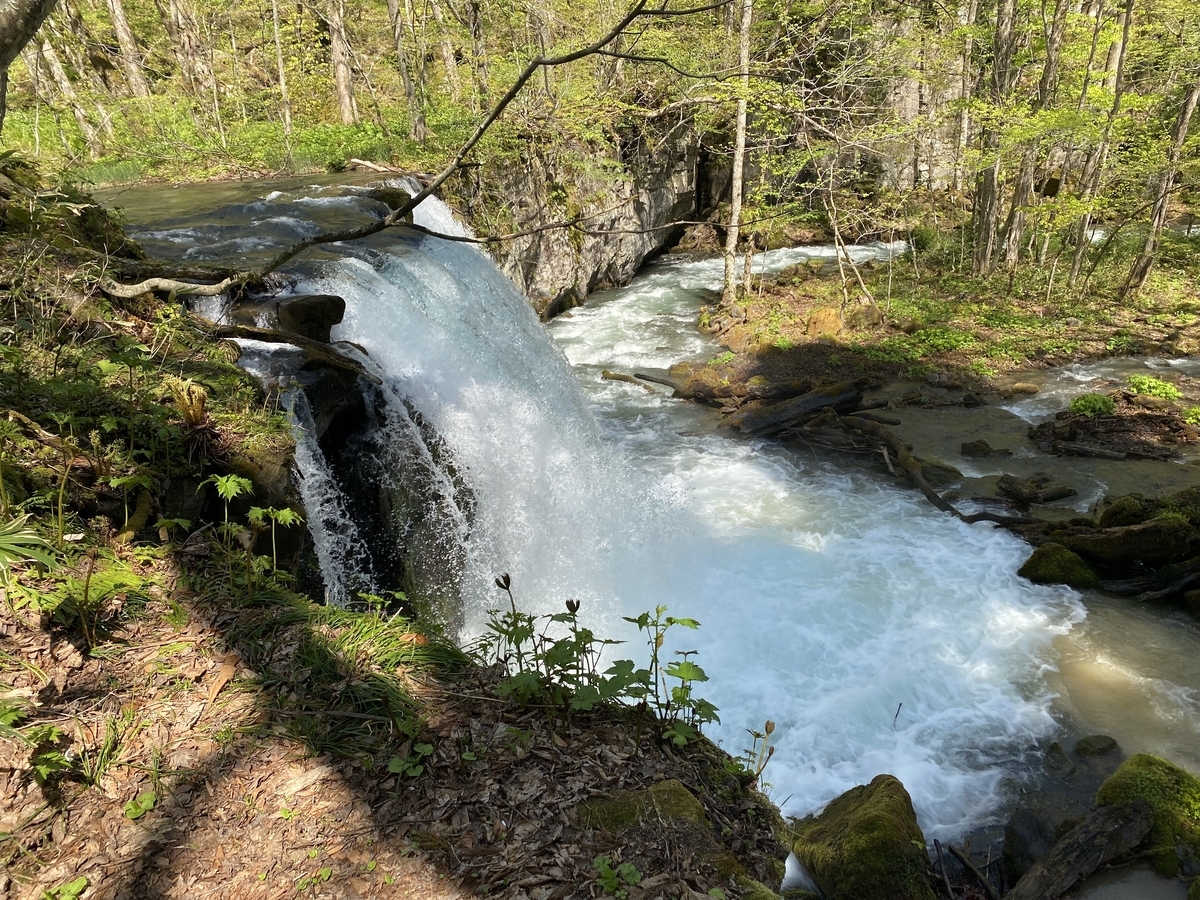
1108, 833
137, 521
1172, 796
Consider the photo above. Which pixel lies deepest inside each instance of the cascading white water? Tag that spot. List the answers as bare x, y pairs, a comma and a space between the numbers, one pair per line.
345, 563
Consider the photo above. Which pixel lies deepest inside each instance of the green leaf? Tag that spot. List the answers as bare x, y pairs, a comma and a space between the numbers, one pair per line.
686, 670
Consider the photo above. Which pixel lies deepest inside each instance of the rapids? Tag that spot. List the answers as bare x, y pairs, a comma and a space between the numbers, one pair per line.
878, 634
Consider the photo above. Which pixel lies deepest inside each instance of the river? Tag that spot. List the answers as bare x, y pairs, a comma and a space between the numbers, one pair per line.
879, 634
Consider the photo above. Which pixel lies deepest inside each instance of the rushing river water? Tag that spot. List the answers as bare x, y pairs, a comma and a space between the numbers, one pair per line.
879, 634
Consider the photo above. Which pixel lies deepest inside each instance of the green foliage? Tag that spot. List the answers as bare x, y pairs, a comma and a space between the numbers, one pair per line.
68, 891
562, 673
1092, 405
407, 763
1191, 415
1153, 387
140, 805
19, 543
614, 880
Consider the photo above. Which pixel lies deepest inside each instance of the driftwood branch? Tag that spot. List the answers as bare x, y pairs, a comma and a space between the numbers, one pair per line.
318, 350
992, 893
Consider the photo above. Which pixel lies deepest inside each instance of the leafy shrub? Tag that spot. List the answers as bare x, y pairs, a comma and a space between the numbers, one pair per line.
1153, 387
1092, 405
1192, 415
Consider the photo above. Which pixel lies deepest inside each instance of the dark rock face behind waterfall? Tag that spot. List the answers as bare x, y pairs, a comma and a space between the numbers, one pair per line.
627, 204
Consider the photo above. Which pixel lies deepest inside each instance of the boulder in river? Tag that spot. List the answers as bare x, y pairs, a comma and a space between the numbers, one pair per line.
1053, 563
1039, 489
866, 843
1165, 537
1174, 798
311, 315
1095, 745
981, 449
1128, 510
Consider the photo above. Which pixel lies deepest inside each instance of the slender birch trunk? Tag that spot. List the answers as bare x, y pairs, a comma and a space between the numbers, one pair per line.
729, 294
1140, 270
131, 58
67, 90
339, 52
417, 129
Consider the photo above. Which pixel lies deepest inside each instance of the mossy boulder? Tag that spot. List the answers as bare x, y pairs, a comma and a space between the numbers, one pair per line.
1194, 890
1054, 564
1128, 510
866, 843
1167, 536
662, 802
1174, 798
755, 890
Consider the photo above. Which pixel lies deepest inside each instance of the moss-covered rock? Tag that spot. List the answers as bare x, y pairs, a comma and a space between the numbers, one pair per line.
1167, 536
664, 801
1128, 510
755, 890
1054, 564
1194, 890
1174, 798
866, 843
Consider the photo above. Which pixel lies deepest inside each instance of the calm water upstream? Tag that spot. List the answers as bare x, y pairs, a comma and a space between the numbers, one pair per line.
879, 634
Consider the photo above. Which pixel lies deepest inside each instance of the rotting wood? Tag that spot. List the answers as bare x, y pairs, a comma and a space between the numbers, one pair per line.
628, 379
1107, 833
658, 379
937, 845
1178, 587
1074, 448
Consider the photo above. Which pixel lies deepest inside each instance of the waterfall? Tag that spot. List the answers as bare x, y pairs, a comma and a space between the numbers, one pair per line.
877, 633
345, 563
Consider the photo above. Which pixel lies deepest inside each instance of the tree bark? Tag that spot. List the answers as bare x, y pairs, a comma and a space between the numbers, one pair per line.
987, 195
180, 24
19, 22
729, 294
1014, 227
67, 90
131, 59
1140, 270
449, 63
339, 52
285, 103
417, 129
1097, 158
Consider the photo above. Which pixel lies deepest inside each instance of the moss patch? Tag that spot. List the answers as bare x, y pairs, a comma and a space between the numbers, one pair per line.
1054, 564
755, 890
1127, 510
664, 801
866, 843
1174, 798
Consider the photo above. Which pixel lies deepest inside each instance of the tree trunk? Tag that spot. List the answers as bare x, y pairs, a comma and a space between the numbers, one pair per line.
449, 63
285, 103
417, 129
1140, 271
729, 294
1014, 227
1093, 167
54, 65
19, 21
180, 24
339, 52
987, 195
131, 59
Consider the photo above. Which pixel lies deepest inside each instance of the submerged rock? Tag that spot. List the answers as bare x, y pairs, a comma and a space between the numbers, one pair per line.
1095, 745
866, 843
1174, 798
981, 449
1053, 563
